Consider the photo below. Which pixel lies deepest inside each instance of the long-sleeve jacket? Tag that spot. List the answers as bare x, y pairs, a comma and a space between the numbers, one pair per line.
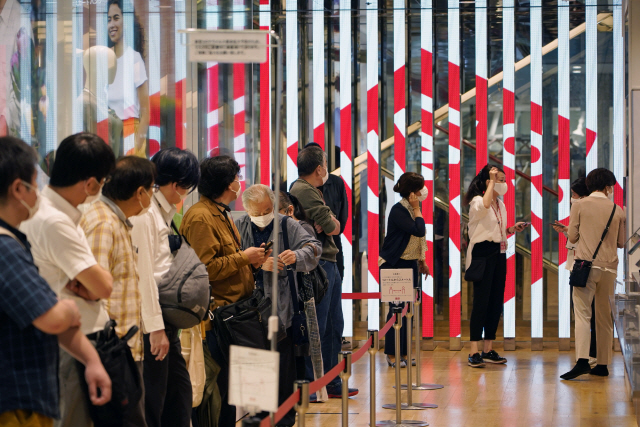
212, 237
401, 228
307, 250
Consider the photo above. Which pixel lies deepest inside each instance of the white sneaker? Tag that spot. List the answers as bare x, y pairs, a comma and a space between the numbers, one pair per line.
593, 362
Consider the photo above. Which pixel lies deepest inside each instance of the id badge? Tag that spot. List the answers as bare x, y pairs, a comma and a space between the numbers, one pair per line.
503, 247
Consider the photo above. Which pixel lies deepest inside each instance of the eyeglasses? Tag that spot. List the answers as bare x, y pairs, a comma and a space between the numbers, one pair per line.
155, 188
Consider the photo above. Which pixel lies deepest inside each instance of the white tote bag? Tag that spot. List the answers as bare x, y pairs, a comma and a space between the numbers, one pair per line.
191, 341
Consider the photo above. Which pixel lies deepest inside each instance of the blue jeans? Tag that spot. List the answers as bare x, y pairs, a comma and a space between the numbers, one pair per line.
330, 323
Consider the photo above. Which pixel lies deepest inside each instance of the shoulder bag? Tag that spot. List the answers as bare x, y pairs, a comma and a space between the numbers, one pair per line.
581, 268
299, 322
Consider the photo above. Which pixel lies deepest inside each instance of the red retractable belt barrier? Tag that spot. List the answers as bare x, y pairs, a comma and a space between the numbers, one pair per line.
361, 295
329, 376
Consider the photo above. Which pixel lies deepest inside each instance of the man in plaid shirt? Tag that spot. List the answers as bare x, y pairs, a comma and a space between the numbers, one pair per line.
127, 193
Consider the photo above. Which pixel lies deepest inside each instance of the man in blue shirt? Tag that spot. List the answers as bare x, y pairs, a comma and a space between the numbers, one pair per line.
32, 320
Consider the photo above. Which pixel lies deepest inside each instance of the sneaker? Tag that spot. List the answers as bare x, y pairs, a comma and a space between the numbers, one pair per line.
313, 398
493, 357
476, 361
336, 392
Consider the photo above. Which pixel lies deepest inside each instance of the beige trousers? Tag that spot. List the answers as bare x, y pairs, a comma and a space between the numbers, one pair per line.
599, 285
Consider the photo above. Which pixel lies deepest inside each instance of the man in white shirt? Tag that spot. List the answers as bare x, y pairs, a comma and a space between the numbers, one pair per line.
166, 378
63, 255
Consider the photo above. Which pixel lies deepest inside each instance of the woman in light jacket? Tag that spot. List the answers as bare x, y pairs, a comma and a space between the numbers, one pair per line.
256, 228
588, 221
488, 232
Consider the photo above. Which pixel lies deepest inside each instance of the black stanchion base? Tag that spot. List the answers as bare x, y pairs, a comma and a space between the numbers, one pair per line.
403, 423
422, 387
414, 407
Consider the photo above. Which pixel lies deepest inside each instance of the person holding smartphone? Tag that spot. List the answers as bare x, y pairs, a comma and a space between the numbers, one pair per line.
487, 259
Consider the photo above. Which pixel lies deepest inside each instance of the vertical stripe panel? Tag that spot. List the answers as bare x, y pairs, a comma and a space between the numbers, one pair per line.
317, 81
454, 167
181, 75
618, 123
77, 73
291, 35
536, 170
51, 80
213, 118
239, 137
508, 155
373, 162
102, 74
426, 137
591, 88
153, 60
25, 78
481, 85
265, 100
564, 173
128, 70
399, 98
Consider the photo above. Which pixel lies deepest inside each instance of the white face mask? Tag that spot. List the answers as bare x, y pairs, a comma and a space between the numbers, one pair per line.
144, 210
92, 198
423, 194
262, 221
238, 191
184, 196
610, 193
571, 201
32, 209
500, 188
325, 177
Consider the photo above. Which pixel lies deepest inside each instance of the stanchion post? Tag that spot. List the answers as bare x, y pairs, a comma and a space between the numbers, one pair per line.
251, 422
344, 376
397, 326
373, 349
303, 404
409, 317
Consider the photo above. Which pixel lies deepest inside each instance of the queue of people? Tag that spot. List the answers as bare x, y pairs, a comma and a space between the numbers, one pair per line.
89, 253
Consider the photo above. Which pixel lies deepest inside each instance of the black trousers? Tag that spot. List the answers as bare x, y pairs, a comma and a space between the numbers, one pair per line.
167, 385
390, 336
227, 412
488, 293
286, 378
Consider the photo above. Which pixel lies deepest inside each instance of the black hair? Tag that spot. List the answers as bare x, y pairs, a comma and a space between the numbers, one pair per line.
79, 157
287, 199
216, 175
479, 184
176, 165
131, 173
138, 32
17, 161
579, 186
313, 144
599, 179
309, 159
409, 182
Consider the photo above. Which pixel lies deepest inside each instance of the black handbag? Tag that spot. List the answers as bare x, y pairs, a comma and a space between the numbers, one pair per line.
244, 323
582, 268
299, 328
314, 284
126, 382
475, 272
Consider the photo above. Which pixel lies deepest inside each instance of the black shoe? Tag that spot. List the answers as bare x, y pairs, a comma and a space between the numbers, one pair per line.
476, 361
582, 367
493, 357
600, 370
336, 392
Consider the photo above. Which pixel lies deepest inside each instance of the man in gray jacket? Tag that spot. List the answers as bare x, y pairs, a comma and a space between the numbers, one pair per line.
303, 255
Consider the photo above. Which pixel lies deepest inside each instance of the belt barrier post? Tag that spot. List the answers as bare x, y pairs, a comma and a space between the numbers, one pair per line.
251, 422
344, 376
373, 334
418, 339
303, 404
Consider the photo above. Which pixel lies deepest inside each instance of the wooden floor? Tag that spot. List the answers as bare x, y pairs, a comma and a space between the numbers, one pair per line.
527, 392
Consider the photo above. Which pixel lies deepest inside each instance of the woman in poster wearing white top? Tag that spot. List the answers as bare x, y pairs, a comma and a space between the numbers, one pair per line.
486, 264
129, 92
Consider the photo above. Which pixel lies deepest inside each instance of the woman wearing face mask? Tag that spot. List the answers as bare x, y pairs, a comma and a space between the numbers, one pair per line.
290, 206
488, 234
404, 247
303, 255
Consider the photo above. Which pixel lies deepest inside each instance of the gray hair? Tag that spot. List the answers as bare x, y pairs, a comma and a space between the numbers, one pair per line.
256, 193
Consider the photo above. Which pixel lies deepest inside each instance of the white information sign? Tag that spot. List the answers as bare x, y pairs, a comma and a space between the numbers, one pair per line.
253, 378
396, 285
225, 46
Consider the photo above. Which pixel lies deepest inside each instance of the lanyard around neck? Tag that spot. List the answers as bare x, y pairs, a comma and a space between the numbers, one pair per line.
499, 218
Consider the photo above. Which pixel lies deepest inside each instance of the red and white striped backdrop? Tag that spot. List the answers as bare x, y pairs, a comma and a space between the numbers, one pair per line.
291, 28
426, 104
154, 137
317, 111
591, 84
265, 100
239, 137
454, 168
399, 88
482, 154
508, 158
213, 118
181, 76
373, 162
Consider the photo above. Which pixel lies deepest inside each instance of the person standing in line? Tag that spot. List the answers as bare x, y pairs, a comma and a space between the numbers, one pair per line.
106, 224
33, 322
487, 258
404, 247
588, 220
210, 230
579, 191
63, 255
313, 173
166, 379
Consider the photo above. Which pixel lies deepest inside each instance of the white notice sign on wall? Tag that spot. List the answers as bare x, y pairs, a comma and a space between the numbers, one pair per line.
231, 47
253, 378
396, 285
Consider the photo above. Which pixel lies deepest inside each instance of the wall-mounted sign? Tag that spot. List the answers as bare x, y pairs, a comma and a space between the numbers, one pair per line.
224, 46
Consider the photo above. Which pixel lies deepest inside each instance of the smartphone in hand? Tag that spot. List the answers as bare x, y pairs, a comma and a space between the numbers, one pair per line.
268, 245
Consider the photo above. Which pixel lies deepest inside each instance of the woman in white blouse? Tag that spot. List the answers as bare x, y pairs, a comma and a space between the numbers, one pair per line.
486, 259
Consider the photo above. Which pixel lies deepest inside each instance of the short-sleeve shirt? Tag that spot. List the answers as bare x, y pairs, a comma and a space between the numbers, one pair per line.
123, 93
61, 252
28, 356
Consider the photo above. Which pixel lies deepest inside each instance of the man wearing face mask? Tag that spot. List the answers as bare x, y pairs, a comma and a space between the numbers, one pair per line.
313, 173
106, 224
63, 255
210, 230
167, 384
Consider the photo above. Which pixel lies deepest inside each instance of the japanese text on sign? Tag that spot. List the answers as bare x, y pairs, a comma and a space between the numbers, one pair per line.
396, 285
253, 378
248, 46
